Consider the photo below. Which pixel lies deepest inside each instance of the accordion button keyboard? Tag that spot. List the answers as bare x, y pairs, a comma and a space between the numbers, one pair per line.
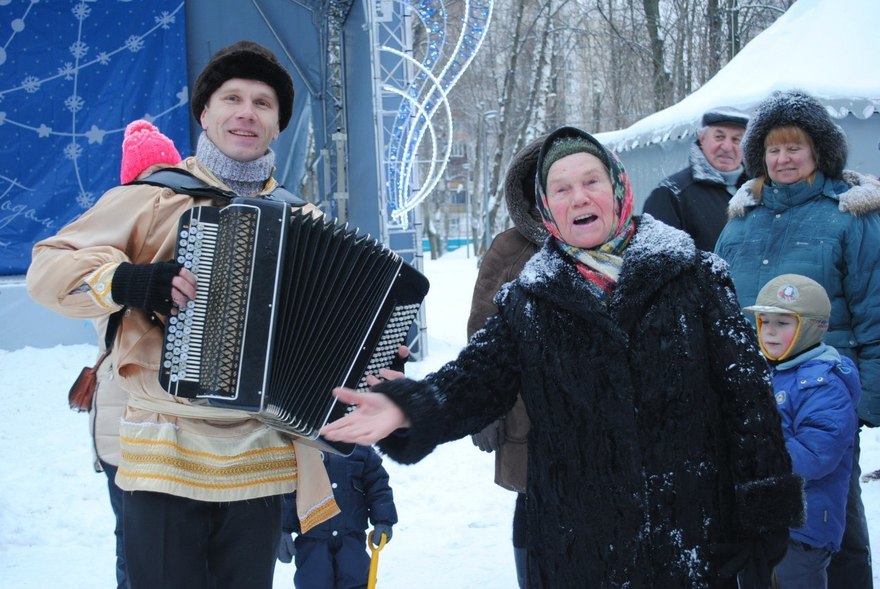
186, 329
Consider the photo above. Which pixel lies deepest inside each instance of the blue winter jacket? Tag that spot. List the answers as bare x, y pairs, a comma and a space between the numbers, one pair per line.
830, 232
817, 393
362, 492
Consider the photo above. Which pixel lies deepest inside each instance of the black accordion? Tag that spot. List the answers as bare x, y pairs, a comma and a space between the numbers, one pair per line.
288, 306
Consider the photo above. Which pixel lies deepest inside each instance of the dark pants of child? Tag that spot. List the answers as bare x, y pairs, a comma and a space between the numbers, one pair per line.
116, 496
804, 567
178, 543
851, 567
334, 562
519, 540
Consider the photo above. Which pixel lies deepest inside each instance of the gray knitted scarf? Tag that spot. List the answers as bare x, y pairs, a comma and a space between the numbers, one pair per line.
730, 179
244, 178
703, 171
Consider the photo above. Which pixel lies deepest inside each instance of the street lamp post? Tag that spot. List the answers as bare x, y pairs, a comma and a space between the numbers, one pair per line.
489, 114
468, 188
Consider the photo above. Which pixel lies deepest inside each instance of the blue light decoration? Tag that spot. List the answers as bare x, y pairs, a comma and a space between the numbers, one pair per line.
423, 98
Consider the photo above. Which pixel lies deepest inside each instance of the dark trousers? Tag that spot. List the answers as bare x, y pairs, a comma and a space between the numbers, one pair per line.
178, 543
851, 567
519, 522
116, 499
334, 562
804, 567
520, 537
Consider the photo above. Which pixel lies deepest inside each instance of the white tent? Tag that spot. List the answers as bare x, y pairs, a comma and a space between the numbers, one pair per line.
829, 48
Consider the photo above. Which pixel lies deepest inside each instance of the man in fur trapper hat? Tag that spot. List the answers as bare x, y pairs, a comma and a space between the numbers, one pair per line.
695, 199
203, 485
804, 214
247, 60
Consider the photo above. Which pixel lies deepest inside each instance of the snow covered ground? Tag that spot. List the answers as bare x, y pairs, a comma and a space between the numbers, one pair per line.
56, 526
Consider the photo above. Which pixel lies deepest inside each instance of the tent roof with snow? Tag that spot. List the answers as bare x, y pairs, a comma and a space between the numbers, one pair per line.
829, 49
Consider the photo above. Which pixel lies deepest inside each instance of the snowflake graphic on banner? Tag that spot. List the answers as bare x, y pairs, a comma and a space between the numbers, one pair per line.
73, 74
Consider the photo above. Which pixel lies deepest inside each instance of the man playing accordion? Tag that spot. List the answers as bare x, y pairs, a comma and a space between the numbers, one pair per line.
203, 484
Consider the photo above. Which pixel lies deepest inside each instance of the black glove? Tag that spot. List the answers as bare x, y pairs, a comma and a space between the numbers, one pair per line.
380, 529
752, 561
489, 439
286, 549
398, 363
145, 286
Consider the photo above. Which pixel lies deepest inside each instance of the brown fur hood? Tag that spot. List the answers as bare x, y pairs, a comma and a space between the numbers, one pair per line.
519, 193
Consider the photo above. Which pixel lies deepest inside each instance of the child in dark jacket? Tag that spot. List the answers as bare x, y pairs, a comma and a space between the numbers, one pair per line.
332, 555
817, 391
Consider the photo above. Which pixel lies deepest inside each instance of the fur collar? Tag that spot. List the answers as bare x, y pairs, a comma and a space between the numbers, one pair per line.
657, 254
862, 196
742, 200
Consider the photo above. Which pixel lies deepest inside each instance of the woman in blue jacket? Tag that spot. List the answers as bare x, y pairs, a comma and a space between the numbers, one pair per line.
803, 214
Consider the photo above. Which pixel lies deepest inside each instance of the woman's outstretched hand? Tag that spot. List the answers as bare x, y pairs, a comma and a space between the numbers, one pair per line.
373, 417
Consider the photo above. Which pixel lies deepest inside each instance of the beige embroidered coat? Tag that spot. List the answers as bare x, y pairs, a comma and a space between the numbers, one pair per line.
167, 444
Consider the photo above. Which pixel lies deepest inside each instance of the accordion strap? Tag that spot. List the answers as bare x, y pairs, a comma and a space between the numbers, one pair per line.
112, 325
183, 182
178, 409
101, 358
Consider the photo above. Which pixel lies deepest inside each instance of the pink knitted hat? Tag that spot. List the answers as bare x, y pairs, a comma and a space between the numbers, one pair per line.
143, 146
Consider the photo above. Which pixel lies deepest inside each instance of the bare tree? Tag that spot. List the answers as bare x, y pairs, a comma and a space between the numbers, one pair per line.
714, 20
599, 64
662, 82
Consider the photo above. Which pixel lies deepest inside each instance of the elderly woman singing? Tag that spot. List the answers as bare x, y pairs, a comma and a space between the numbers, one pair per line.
656, 457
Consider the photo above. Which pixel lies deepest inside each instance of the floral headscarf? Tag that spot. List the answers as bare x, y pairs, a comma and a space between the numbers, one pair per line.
600, 265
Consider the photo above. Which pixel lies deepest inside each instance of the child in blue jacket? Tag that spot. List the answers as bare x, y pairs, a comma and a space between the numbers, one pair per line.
817, 391
333, 554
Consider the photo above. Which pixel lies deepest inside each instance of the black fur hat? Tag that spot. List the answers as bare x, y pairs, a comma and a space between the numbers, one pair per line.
795, 107
249, 61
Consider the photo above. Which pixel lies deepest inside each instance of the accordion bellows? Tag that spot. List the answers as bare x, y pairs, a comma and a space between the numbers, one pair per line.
288, 306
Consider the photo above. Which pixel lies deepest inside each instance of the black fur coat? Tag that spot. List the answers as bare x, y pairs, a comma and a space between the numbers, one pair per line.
654, 431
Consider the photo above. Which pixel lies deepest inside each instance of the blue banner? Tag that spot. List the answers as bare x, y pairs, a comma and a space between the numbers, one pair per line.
73, 74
